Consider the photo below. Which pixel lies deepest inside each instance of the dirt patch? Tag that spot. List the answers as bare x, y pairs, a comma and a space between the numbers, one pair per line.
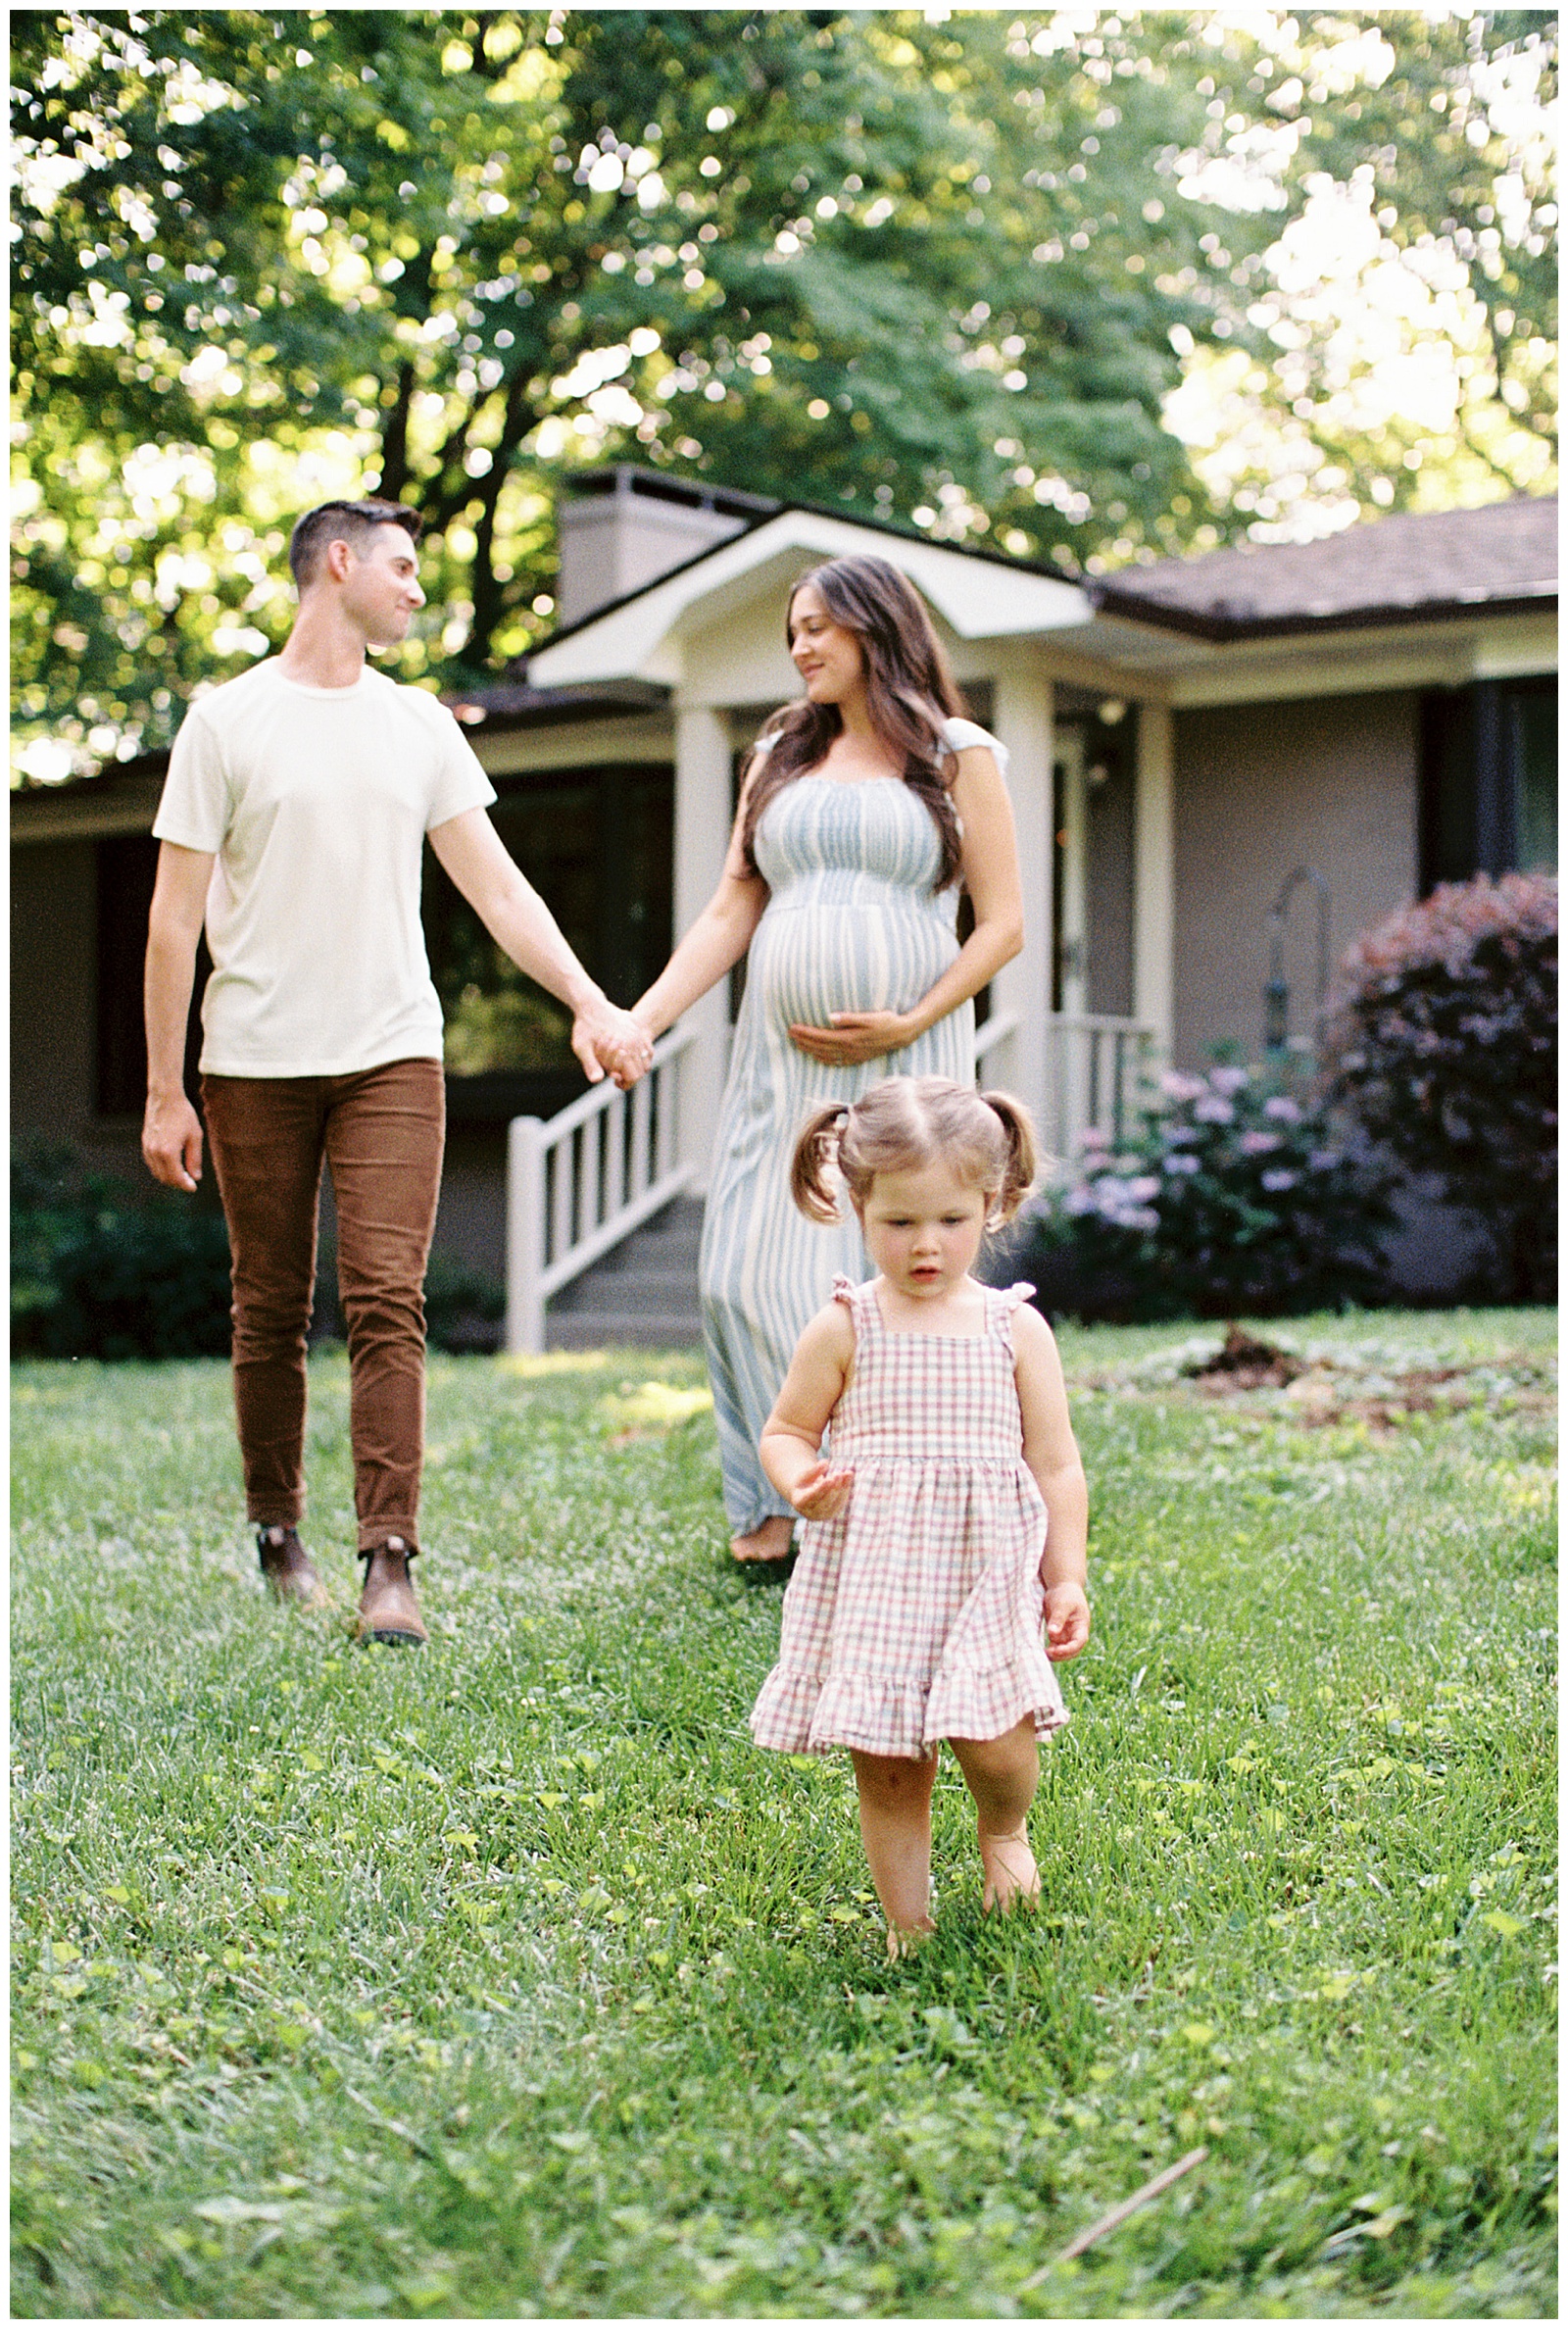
1380, 1388
1245, 1363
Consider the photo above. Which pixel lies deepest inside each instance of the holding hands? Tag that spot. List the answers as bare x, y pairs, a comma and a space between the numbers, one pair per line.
609, 1041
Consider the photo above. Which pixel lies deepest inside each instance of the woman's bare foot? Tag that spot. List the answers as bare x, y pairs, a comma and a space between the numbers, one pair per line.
904, 1940
771, 1542
1012, 1881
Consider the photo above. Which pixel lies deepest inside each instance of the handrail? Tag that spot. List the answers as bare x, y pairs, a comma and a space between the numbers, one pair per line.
1097, 1065
581, 1182
997, 1029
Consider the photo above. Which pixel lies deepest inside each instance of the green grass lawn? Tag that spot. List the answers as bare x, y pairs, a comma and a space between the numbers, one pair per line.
507, 1978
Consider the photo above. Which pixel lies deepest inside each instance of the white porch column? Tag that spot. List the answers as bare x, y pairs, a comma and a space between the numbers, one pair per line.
1155, 876
703, 814
1023, 720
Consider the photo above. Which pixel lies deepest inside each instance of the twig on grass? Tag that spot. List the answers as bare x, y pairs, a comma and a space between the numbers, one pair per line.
1119, 2214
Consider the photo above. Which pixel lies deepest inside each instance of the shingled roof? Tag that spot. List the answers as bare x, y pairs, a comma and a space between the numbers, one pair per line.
1501, 557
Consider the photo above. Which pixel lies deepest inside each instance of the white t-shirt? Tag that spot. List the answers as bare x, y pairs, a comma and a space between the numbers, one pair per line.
315, 801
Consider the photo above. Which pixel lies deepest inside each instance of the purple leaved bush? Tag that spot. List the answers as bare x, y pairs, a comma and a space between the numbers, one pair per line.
1441, 1041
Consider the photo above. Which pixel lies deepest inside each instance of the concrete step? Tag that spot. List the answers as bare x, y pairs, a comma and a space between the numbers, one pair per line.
643, 1294
631, 1289
622, 1330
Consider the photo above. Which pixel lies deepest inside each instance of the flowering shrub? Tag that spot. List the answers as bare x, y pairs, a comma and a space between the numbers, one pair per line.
1442, 1041
1232, 1197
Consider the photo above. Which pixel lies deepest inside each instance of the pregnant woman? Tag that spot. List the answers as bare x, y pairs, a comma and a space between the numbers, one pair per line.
862, 810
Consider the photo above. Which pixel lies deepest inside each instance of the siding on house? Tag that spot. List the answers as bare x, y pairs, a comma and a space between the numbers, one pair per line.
54, 980
1260, 789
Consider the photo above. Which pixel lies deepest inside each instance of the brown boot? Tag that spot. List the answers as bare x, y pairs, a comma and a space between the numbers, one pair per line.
388, 1611
288, 1569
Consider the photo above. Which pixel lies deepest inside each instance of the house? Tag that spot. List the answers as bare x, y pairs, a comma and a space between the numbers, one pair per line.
1375, 712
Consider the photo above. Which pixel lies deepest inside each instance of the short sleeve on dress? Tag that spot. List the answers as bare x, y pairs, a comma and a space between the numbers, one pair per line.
1008, 1300
962, 733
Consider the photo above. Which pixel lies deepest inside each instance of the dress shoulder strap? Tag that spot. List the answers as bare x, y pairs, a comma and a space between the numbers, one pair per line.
843, 1290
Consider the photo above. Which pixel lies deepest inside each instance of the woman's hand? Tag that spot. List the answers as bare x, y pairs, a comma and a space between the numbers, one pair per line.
1066, 1621
823, 1492
610, 1040
852, 1037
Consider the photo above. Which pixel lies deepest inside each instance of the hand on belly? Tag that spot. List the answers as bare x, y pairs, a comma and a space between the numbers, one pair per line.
852, 1037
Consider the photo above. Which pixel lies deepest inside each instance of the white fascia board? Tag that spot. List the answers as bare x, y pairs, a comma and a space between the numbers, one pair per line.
639, 640
1187, 671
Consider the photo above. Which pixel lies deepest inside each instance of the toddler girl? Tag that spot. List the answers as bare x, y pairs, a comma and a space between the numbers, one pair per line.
914, 1612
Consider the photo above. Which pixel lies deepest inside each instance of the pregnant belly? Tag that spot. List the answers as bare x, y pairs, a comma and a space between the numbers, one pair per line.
805, 964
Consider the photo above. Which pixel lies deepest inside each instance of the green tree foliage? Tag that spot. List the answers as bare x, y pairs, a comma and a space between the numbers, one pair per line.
941, 273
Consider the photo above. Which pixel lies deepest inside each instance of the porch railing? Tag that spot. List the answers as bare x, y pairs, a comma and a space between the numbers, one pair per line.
991, 1037
580, 1184
1096, 1073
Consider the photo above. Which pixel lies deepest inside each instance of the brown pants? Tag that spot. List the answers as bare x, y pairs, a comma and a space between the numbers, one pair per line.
381, 1133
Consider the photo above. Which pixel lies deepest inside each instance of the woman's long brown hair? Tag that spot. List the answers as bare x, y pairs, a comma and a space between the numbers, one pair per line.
909, 693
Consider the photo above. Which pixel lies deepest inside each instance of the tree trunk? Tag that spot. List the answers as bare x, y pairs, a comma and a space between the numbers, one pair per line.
395, 439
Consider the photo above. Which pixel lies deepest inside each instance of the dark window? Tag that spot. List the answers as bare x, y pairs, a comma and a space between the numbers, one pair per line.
598, 846
128, 867
1488, 779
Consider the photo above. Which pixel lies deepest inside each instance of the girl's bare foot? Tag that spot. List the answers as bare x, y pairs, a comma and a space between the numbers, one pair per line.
771, 1542
1011, 1878
904, 1940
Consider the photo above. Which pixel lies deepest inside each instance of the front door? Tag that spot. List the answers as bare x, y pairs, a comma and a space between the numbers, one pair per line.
1069, 972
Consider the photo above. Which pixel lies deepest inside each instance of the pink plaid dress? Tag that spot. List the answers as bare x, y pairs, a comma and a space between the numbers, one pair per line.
916, 1614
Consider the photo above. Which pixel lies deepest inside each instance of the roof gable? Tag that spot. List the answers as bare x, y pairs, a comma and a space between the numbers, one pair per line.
977, 595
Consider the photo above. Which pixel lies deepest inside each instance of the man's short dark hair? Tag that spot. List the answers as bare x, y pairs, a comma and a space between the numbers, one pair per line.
348, 521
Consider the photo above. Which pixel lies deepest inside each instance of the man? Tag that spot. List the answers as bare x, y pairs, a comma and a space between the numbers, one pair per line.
293, 820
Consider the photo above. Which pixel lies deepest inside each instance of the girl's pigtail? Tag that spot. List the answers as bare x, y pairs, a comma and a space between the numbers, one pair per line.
1022, 1157
816, 1148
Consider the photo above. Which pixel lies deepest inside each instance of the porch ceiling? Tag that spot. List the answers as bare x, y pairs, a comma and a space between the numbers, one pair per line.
642, 636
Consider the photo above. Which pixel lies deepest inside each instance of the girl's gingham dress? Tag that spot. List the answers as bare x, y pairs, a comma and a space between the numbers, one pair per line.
916, 1614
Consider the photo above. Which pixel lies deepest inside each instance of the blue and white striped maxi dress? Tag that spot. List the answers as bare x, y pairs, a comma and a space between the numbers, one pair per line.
853, 923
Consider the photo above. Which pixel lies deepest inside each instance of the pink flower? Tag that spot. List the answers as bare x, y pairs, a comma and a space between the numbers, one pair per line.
1214, 1112
1229, 1081
1177, 1086
1283, 1111
1258, 1144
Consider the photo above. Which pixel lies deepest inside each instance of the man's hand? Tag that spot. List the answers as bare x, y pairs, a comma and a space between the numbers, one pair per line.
1066, 1621
171, 1141
609, 1041
852, 1037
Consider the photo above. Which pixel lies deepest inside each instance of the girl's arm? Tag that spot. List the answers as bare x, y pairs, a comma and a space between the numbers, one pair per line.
1052, 1455
990, 862
716, 939
791, 1436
